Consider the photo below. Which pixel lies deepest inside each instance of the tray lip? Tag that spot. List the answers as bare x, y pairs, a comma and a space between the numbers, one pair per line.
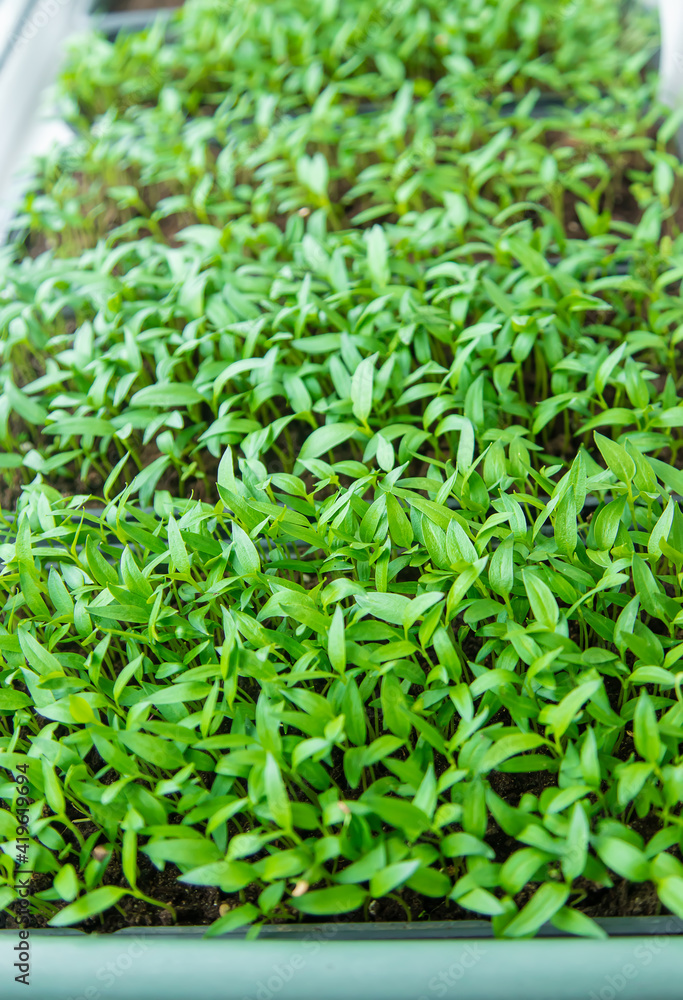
111, 22
665, 925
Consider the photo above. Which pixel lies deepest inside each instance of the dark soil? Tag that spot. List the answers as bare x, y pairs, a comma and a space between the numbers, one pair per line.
200, 906
617, 199
201, 488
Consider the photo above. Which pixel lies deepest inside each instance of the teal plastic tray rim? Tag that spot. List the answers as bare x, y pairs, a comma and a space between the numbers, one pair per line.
616, 927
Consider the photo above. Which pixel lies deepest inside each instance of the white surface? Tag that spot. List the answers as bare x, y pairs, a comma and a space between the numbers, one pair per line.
671, 67
11, 14
32, 33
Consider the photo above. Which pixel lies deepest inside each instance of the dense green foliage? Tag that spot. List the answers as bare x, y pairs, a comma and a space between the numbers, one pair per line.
340, 423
